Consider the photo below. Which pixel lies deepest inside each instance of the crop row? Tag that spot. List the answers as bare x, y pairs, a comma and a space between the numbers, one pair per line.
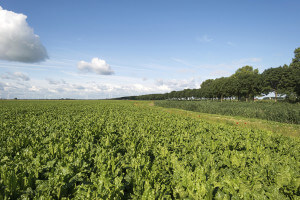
119, 150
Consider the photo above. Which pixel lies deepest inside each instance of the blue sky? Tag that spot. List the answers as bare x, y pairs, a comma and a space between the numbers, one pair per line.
103, 49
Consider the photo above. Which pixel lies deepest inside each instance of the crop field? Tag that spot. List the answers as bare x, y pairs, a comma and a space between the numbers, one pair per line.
121, 150
280, 112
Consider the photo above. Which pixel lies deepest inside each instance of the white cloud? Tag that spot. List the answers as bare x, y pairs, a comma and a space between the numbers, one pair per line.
87, 89
17, 40
34, 89
204, 39
96, 65
15, 76
159, 82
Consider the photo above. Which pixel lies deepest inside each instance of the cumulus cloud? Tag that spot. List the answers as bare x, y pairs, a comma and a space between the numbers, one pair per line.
15, 76
96, 65
90, 89
17, 40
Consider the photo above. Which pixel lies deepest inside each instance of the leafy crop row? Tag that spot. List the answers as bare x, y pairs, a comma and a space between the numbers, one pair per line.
280, 112
118, 150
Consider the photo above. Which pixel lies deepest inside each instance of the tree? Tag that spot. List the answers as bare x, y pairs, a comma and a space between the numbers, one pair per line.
231, 86
219, 88
295, 72
248, 82
297, 56
206, 88
272, 80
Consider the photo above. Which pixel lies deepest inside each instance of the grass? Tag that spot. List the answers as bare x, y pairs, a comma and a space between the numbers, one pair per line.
290, 130
280, 112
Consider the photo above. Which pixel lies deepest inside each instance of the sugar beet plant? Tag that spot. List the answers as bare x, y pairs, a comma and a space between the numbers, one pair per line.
119, 150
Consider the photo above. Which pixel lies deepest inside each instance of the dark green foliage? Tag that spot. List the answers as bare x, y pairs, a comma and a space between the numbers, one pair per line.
248, 82
117, 150
296, 58
274, 81
295, 71
280, 112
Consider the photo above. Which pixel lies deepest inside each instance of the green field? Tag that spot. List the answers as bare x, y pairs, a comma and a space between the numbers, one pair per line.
279, 112
128, 150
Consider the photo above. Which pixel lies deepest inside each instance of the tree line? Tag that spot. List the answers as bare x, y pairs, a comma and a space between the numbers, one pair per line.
244, 85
